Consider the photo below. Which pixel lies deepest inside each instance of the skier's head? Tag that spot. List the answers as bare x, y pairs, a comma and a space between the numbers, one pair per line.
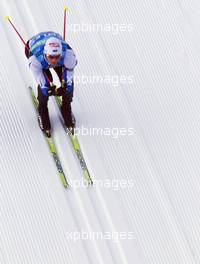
53, 50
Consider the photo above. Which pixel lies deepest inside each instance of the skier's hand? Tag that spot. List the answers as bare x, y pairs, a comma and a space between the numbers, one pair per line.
52, 90
64, 89
48, 90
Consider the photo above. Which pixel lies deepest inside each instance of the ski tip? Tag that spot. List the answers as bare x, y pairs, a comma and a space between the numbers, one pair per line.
90, 183
66, 8
66, 185
6, 18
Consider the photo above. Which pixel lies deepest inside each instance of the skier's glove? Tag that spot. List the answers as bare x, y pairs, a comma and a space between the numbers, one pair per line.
52, 90
48, 90
67, 88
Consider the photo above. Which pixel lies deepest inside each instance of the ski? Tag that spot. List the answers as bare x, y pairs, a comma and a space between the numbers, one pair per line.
76, 146
51, 146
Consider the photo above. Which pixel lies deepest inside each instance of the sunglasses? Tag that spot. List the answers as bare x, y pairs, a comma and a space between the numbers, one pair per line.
51, 57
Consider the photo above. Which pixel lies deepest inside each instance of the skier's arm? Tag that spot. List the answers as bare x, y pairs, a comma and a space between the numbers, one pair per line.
70, 62
36, 68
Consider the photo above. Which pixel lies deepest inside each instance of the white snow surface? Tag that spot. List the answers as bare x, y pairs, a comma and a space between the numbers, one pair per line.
144, 206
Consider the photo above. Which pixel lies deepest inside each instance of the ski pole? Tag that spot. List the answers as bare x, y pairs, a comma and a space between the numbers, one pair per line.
7, 18
64, 36
64, 31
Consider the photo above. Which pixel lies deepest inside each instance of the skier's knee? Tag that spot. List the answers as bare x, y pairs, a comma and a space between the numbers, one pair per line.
42, 99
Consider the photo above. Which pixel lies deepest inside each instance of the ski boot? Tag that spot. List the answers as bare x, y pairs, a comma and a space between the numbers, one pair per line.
70, 122
44, 125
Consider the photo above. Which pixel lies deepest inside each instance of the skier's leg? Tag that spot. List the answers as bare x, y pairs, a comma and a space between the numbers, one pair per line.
66, 107
43, 118
67, 95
